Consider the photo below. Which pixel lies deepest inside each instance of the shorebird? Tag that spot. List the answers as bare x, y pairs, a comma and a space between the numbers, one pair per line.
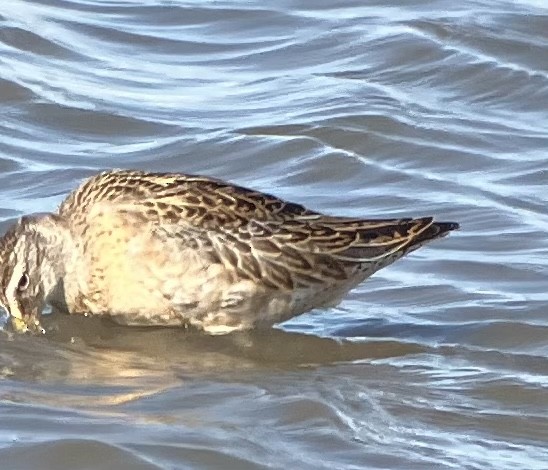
173, 249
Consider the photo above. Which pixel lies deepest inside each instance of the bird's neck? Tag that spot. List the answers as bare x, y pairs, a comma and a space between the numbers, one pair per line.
57, 251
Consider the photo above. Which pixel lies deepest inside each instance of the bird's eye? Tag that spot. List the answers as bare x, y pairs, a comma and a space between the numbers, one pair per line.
23, 282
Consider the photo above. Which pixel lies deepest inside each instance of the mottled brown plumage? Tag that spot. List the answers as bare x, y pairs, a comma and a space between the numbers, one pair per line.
173, 249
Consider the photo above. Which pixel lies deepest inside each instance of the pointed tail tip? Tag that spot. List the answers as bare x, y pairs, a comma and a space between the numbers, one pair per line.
436, 230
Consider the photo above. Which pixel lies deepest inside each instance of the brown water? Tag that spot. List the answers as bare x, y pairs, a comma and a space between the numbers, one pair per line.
351, 107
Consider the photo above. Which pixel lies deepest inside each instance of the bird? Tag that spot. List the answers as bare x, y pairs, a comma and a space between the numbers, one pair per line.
173, 249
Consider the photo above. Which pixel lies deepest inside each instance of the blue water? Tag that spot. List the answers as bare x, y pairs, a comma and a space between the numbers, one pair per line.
352, 108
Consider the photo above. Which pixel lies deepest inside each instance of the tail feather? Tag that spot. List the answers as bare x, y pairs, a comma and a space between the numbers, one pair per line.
376, 242
435, 230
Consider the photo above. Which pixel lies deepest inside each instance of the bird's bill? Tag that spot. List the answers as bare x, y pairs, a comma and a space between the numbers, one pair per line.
19, 325
27, 323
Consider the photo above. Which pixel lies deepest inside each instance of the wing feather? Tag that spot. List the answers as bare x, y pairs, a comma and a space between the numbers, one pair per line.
257, 235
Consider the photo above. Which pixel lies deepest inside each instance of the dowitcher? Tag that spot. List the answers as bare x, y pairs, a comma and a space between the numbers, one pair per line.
174, 249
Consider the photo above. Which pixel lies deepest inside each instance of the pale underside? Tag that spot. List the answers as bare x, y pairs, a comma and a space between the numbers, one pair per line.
168, 249
141, 273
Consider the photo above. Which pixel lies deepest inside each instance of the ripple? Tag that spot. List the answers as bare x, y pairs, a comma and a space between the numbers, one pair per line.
360, 110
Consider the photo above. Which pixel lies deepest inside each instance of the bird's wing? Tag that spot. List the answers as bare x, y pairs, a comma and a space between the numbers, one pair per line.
261, 237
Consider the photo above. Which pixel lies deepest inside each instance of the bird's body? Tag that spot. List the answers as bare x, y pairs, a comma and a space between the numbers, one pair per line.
174, 249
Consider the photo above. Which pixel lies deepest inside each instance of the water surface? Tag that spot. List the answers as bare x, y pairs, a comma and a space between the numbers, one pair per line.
350, 107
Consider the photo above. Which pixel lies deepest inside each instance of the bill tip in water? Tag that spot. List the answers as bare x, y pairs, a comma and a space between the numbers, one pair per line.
20, 326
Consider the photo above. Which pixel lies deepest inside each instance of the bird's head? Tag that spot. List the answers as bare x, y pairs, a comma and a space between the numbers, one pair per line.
24, 280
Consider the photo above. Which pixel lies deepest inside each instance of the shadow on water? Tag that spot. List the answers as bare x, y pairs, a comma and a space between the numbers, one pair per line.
95, 365
99, 351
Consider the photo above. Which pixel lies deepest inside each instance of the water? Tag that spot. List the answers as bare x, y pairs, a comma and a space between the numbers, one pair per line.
350, 107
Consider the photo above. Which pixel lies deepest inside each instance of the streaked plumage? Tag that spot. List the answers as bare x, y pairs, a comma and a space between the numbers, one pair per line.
174, 249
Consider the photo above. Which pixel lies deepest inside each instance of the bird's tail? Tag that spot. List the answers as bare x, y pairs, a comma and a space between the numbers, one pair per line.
375, 240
